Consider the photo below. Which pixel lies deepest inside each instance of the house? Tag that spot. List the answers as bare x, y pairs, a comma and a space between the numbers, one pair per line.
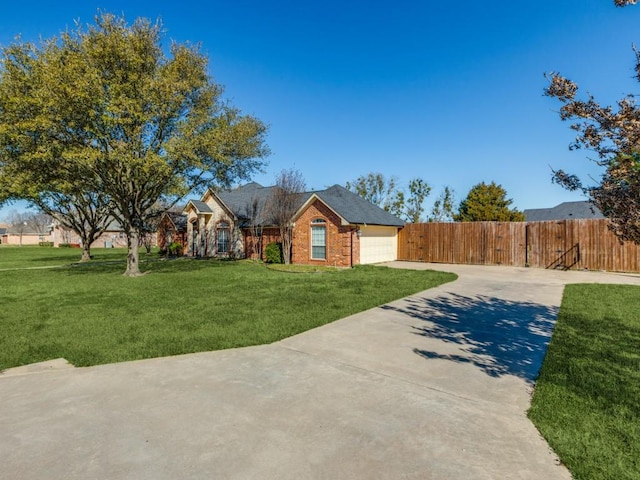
112, 237
330, 227
563, 211
172, 228
23, 235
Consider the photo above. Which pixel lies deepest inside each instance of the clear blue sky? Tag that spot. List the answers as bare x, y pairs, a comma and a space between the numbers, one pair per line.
447, 91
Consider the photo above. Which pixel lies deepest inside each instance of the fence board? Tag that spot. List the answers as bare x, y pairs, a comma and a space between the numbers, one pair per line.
566, 244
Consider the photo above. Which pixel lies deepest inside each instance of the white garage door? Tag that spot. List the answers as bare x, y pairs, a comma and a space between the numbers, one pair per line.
378, 244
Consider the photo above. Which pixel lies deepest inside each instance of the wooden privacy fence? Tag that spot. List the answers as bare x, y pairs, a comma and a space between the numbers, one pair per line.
563, 244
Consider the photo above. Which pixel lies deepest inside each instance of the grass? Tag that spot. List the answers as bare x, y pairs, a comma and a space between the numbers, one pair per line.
12, 257
587, 399
91, 314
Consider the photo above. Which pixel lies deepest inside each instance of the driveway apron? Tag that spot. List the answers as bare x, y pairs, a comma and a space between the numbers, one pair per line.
433, 386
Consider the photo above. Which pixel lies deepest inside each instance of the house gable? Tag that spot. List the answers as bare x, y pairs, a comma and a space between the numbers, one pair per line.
212, 228
342, 243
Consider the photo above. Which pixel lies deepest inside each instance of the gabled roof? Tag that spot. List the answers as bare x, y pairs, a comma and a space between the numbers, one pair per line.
355, 209
178, 219
201, 207
239, 201
352, 208
563, 211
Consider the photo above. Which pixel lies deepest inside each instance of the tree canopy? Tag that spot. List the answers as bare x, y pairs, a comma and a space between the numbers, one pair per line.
104, 109
613, 133
443, 206
379, 190
487, 203
387, 194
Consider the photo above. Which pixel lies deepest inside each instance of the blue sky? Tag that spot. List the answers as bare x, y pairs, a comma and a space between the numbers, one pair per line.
447, 91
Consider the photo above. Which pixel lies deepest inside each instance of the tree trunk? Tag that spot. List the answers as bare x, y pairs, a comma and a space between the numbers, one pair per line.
286, 247
86, 251
133, 255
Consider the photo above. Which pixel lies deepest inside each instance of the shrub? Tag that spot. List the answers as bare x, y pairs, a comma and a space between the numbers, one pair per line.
175, 249
64, 245
273, 252
45, 244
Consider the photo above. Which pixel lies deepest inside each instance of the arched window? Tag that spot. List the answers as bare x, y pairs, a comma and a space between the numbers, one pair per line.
222, 231
318, 239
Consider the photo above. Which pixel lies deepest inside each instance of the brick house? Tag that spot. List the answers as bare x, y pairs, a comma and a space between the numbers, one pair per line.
172, 228
331, 227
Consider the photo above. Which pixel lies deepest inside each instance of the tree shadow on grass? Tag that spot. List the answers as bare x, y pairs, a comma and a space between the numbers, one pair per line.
500, 337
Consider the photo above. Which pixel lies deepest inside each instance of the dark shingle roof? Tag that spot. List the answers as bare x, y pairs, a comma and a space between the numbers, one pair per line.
178, 219
563, 211
201, 206
239, 200
355, 209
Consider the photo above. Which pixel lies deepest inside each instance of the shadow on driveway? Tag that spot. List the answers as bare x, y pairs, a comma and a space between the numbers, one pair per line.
500, 337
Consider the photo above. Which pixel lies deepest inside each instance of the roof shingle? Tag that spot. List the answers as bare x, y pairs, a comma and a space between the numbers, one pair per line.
563, 211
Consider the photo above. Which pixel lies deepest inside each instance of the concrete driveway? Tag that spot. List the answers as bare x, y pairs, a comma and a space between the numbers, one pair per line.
433, 386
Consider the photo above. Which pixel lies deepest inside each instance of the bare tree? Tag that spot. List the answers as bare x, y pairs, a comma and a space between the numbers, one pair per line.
283, 204
19, 222
255, 217
39, 222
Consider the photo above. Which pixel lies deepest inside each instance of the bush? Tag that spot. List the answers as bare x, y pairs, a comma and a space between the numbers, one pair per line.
273, 252
64, 245
45, 244
175, 249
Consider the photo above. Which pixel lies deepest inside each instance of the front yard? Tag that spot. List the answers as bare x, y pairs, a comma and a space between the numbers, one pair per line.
90, 314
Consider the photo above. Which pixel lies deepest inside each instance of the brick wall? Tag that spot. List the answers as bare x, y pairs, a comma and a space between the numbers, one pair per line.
343, 245
167, 231
268, 235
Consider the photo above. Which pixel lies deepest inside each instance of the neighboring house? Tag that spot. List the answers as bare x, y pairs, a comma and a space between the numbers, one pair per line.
331, 227
172, 228
23, 236
112, 237
563, 211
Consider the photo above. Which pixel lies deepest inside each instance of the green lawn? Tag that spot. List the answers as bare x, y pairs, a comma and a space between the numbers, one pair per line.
39, 257
92, 314
587, 399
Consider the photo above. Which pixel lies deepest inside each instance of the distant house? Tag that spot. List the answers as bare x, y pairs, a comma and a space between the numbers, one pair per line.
23, 235
331, 227
112, 237
563, 211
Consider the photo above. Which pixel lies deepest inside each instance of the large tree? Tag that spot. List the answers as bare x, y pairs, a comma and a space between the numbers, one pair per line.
487, 203
130, 123
282, 205
614, 134
82, 211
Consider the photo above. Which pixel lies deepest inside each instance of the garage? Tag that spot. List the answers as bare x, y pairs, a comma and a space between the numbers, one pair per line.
378, 244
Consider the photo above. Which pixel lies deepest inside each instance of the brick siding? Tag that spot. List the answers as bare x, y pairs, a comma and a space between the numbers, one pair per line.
343, 245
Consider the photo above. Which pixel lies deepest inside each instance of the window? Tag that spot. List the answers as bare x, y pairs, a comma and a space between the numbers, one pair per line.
318, 239
223, 237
